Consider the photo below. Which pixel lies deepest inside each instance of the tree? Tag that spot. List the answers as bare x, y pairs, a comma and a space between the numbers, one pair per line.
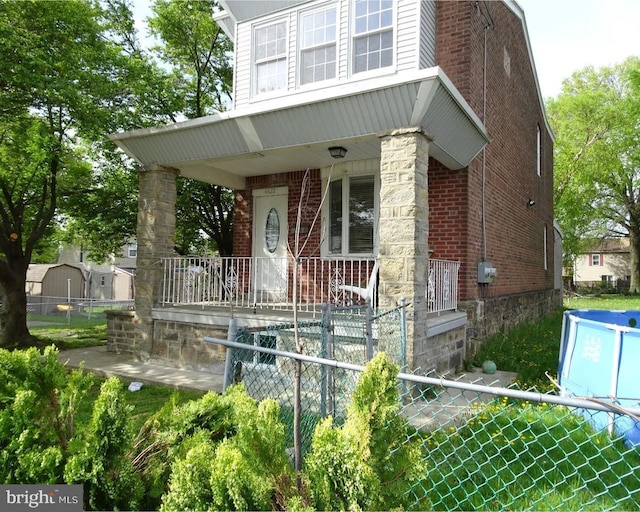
65, 71
597, 159
199, 54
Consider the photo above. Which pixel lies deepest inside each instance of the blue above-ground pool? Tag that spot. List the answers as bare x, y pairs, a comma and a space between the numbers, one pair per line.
600, 358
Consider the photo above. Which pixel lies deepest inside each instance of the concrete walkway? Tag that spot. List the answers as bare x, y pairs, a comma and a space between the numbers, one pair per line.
108, 364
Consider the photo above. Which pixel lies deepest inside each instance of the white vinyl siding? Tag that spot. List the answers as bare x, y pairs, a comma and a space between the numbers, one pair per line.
427, 53
406, 43
242, 68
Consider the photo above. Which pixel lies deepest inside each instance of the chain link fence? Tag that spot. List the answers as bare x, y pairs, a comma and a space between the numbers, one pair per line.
50, 311
486, 448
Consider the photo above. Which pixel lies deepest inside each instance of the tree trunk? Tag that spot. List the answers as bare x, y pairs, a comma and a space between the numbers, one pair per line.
14, 332
634, 250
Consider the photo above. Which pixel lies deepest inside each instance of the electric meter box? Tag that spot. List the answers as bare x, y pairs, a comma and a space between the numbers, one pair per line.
486, 272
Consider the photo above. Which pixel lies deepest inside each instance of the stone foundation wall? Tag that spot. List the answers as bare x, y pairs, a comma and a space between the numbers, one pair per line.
182, 344
174, 344
124, 333
442, 353
490, 316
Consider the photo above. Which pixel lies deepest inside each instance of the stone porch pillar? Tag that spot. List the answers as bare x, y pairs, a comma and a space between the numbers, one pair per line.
404, 229
156, 234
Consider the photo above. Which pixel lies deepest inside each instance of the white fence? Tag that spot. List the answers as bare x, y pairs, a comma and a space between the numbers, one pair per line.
270, 283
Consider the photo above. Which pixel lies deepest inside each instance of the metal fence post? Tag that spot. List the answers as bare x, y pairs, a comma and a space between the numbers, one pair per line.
328, 329
323, 351
368, 329
403, 332
228, 362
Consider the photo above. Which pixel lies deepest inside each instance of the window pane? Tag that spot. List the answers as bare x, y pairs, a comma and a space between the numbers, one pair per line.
267, 341
318, 54
373, 52
335, 216
361, 214
271, 76
269, 53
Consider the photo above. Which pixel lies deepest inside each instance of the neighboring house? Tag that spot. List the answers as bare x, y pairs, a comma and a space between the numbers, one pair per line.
607, 264
423, 122
50, 285
127, 259
104, 281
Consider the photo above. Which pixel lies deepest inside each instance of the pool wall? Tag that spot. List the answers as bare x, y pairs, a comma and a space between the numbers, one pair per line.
600, 359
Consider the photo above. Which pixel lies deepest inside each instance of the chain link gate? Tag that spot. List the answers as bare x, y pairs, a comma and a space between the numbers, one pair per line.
486, 448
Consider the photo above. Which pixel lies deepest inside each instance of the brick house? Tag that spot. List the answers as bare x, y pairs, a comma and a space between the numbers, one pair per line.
422, 125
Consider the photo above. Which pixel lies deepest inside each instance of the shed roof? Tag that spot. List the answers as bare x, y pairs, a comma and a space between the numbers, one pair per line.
38, 271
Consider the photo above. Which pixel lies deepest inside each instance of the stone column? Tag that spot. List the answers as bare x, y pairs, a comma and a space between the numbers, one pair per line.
156, 234
404, 229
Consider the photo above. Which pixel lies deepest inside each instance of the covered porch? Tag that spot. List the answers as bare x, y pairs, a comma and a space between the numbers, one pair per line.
389, 129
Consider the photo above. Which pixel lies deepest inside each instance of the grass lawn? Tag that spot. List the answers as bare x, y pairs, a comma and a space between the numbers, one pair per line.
81, 332
604, 301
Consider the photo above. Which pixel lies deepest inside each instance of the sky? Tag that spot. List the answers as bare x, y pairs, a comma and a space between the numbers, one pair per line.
569, 35
565, 35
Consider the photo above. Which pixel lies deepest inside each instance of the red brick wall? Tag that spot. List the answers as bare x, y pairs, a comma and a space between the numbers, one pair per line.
514, 231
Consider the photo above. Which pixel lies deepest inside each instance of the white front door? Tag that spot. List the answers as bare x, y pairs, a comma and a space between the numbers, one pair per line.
270, 208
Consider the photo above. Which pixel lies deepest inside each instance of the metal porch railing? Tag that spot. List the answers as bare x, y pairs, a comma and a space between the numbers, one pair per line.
269, 282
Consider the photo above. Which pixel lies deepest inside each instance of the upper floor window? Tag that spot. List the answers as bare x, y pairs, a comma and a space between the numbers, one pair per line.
373, 35
352, 215
596, 260
544, 248
270, 47
318, 46
132, 251
538, 151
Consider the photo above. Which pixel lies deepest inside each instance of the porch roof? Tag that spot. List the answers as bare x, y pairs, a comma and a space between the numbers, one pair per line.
293, 132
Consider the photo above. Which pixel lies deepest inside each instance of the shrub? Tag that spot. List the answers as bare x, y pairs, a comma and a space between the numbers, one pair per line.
100, 461
241, 469
37, 419
368, 463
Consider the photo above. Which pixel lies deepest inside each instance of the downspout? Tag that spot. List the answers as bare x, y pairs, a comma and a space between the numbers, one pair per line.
488, 25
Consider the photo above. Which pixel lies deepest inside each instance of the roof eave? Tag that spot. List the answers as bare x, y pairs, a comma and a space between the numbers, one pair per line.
354, 113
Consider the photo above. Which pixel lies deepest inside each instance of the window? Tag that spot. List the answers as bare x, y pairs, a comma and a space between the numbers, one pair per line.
352, 215
269, 50
260, 339
373, 35
596, 261
544, 248
103, 281
607, 279
538, 151
318, 46
132, 251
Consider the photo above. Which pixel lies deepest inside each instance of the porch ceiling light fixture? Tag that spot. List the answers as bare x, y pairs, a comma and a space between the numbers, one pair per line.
337, 151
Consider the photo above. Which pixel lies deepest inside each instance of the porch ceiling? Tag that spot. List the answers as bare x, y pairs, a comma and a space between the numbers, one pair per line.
293, 133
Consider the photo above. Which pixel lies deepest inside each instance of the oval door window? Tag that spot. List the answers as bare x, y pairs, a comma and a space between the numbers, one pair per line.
272, 231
